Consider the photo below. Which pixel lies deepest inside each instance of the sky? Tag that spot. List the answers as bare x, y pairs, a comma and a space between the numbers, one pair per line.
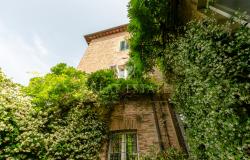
37, 34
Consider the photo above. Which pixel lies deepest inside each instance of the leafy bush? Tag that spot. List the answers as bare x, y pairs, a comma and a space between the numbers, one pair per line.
211, 64
61, 124
100, 79
14, 107
169, 154
209, 68
111, 89
120, 88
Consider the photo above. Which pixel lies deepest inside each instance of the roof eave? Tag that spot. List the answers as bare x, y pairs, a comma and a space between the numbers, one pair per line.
103, 33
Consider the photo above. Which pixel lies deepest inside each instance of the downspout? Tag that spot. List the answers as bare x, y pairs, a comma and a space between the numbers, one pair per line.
157, 124
164, 121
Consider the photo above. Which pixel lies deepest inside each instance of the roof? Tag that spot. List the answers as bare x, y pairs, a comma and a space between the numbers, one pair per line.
114, 30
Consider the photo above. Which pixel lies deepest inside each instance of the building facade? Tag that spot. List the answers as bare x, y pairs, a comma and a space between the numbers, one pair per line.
141, 124
138, 125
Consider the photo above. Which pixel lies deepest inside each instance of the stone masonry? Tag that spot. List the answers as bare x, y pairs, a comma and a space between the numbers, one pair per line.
103, 52
150, 116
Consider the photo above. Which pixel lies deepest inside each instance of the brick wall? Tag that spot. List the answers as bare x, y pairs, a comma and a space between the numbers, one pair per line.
137, 113
103, 52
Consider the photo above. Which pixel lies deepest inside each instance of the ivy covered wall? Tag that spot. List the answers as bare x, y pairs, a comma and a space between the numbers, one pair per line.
208, 65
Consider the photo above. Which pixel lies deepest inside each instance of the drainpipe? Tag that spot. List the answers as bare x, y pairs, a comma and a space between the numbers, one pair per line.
157, 124
161, 102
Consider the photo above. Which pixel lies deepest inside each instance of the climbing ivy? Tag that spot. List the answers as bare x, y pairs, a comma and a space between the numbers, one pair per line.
212, 80
208, 65
151, 23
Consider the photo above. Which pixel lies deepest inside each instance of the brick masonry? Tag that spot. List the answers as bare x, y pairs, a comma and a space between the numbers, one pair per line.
137, 114
153, 121
103, 52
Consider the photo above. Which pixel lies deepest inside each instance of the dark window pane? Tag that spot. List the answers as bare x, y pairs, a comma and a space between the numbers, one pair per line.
122, 45
115, 143
127, 46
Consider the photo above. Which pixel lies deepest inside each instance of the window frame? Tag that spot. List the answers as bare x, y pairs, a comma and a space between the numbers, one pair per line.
123, 145
124, 45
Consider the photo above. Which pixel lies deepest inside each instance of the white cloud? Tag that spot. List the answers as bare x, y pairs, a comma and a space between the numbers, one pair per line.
18, 57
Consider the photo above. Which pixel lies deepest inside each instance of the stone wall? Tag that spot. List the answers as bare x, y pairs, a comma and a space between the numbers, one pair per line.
143, 115
103, 52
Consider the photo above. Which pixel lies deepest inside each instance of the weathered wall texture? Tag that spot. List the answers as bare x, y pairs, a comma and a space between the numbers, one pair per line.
137, 113
103, 52
191, 9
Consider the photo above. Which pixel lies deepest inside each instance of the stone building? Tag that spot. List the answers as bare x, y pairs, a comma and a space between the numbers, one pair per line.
139, 124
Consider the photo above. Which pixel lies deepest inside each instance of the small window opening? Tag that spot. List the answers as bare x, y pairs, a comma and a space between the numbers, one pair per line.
124, 45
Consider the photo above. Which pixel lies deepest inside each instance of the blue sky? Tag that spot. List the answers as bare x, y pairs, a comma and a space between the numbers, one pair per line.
37, 34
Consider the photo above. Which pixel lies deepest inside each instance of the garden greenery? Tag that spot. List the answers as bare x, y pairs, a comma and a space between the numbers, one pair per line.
57, 120
110, 90
208, 65
151, 21
61, 115
168, 154
14, 107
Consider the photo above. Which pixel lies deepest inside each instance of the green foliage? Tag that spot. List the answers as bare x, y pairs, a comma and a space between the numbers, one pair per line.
169, 154
211, 65
111, 89
61, 118
100, 79
209, 68
111, 94
63, 123
62, 88
76, 136
151, 22
14, 107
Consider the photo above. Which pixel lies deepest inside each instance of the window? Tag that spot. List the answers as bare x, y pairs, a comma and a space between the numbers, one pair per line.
123, 146
123, 45
121, 73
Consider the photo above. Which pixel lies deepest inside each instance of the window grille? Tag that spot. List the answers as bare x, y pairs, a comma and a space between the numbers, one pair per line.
123, 146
